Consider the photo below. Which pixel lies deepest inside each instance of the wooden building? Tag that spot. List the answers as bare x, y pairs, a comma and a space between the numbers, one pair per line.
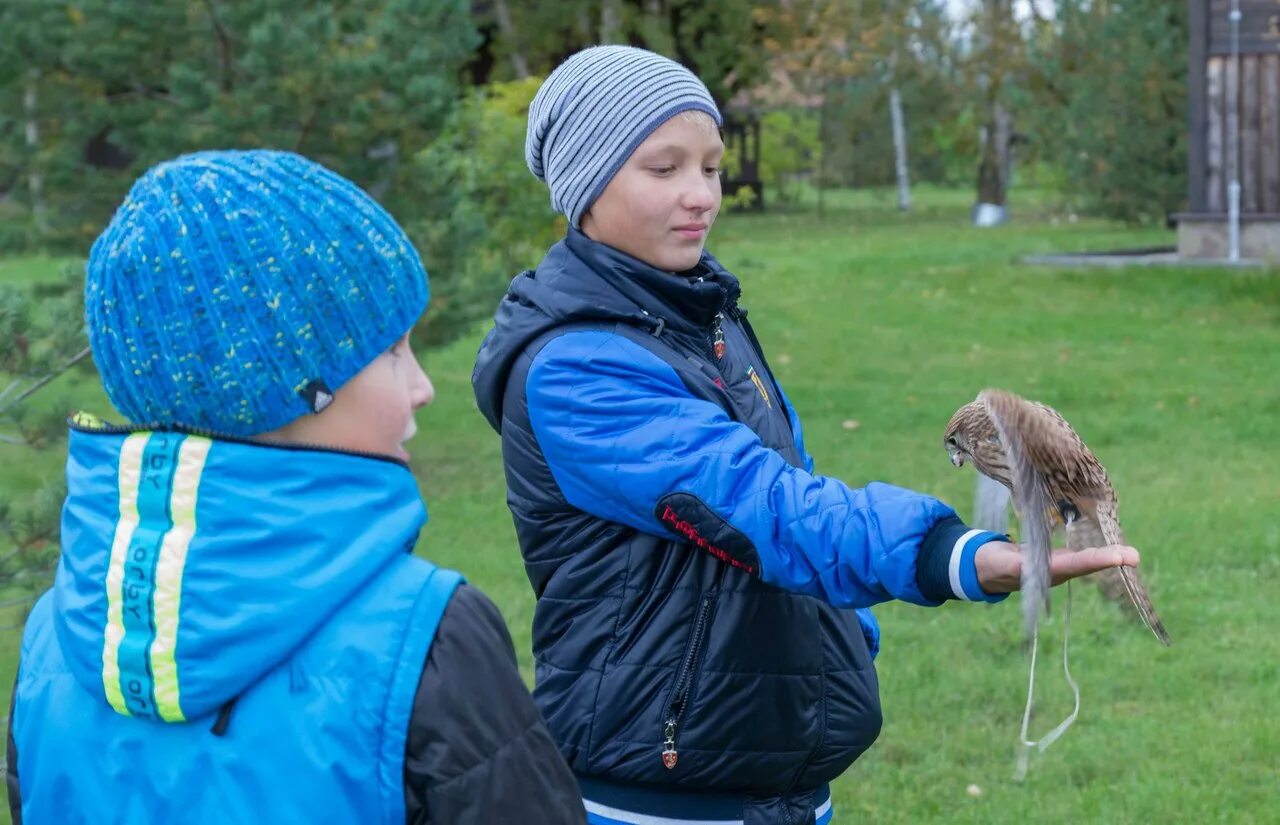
1252, 80
742, 139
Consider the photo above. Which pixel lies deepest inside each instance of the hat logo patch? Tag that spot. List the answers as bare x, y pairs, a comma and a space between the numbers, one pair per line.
317, 395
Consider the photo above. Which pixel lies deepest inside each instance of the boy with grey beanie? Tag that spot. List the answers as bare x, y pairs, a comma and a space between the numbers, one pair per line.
704, 652
238, 630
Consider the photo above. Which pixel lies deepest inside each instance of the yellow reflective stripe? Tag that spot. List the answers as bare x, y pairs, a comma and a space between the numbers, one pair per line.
173, 558
87, 420
130, 475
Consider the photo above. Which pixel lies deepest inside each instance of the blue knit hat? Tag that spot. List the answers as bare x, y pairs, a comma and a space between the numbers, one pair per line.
594, 110
236, 291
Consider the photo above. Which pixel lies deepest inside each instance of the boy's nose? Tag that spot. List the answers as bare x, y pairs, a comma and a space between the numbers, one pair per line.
701, 195
424, 392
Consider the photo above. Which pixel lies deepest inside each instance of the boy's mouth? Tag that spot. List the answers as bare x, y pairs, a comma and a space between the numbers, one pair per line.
408, 436
692, 231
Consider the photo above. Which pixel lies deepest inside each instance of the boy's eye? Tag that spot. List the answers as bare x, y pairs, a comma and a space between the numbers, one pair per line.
711, 170
662, 170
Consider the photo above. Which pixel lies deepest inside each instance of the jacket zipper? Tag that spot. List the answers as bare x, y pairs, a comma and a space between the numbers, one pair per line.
713, 342
679, 704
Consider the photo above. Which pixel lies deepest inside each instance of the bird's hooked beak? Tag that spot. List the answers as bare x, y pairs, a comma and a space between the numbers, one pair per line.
957, 458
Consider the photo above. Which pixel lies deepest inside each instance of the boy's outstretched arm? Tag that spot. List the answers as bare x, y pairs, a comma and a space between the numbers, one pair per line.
627, 441
478, 751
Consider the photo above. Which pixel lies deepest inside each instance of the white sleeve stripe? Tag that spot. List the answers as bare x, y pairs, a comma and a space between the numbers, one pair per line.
621, 817
953, 566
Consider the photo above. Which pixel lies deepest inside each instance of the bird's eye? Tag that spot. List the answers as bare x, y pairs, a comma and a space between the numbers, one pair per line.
951, 442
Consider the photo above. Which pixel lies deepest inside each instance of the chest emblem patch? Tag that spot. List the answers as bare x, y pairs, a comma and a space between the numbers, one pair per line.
755, 379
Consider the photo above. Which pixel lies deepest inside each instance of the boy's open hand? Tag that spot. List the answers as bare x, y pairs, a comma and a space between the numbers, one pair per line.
999, 564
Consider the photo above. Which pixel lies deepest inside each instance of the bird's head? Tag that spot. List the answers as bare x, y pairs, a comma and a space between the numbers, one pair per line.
971, 436
963, 432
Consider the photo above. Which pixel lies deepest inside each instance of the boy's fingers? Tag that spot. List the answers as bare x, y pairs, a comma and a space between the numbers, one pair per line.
1068, 564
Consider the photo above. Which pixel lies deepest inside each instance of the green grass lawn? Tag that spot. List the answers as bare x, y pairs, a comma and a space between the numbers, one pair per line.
1173, 377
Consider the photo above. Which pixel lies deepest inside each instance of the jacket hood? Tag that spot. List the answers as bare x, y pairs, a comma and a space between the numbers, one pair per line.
583, 281
192, 566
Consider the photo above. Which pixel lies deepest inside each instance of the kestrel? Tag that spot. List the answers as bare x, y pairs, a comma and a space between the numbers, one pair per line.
1055, 479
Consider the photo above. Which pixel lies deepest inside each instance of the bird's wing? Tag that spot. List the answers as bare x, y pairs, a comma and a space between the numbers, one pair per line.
1022, 429
1058, 451
1119, 584
1109, 520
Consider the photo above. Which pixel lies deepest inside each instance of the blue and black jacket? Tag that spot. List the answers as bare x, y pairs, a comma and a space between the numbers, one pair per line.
700, 623
240, 633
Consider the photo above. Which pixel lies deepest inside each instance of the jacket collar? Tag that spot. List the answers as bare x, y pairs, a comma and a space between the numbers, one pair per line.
688, 300
263, 543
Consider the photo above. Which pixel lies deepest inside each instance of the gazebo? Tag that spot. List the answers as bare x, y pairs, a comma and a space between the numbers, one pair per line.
742, 138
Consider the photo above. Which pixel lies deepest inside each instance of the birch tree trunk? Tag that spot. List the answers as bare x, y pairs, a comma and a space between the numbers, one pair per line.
900, 149
35, 177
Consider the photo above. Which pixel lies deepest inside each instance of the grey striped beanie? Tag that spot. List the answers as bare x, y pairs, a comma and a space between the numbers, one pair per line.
594, 110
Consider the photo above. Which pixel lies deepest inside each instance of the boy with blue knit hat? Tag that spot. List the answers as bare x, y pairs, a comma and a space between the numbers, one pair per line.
702, 644
238, 630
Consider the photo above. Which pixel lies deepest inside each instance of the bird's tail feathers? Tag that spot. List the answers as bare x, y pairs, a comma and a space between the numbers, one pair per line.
1141, 602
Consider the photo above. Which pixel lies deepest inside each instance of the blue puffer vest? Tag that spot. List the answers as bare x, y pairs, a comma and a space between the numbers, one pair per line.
235, 634
660, 664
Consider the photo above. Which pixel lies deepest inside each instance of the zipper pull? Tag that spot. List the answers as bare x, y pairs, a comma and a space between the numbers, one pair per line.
717, 338
669, 754
656, 332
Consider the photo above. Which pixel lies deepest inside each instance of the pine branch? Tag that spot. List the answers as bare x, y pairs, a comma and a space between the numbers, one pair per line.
13, 385
29, 391
224, 47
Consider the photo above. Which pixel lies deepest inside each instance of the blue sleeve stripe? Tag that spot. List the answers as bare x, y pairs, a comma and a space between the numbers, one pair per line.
963, 571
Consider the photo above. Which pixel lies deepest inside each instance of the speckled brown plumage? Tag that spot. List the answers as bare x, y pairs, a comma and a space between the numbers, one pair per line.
1055, 479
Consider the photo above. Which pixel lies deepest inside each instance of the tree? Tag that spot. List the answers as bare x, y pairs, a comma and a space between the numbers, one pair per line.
1111, 97
998, 61
721, 42
47, 331
867, 59
901, 48
900, 149
485, 217
812, 43
123, 84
